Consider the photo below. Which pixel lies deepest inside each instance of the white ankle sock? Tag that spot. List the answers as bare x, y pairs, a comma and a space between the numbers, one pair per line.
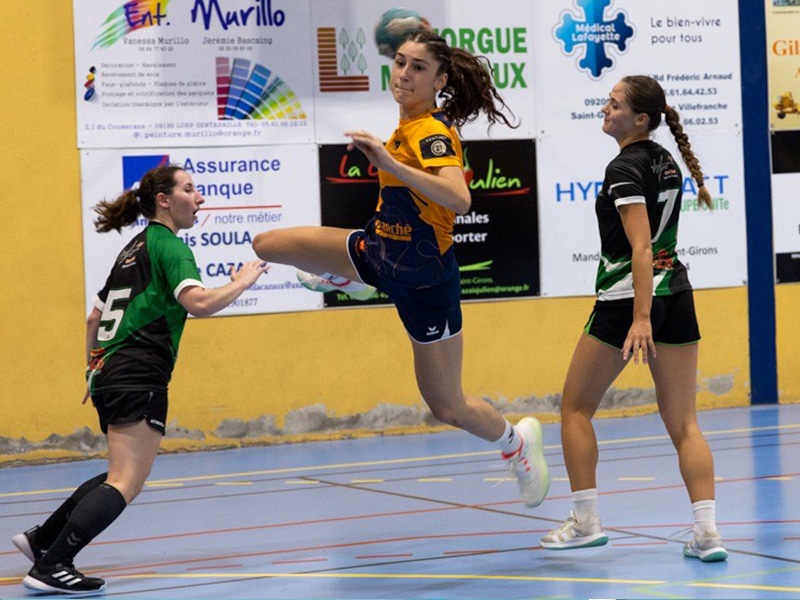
705, 515
584, 503
510, 441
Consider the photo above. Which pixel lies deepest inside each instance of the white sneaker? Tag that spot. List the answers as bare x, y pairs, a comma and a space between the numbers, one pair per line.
317, 283
707, 547
528, 464
573, 534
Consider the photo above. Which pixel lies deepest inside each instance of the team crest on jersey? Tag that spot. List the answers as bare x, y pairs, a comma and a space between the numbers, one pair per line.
436, 146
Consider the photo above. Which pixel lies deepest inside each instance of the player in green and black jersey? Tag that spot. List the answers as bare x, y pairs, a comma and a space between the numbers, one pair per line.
644, 301
133, 334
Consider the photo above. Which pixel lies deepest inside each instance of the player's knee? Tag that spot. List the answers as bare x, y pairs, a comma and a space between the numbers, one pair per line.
445, 414
262, 245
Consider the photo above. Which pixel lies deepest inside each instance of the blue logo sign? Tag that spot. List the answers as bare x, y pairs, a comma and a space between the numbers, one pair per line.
133, 167
594, 32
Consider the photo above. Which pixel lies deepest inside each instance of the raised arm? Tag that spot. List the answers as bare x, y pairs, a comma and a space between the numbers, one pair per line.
446, 186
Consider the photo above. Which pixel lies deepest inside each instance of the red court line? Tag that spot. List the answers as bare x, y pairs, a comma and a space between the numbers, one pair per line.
323, 547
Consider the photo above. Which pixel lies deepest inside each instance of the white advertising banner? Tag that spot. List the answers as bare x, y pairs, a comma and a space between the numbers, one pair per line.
171, 73
247, 190
581, 52
352, 77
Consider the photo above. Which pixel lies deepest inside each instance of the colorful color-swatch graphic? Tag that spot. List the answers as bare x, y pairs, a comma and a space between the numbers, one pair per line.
251, 91
131, 16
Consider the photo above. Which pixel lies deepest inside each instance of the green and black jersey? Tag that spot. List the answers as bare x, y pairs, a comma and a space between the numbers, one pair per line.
142, 321
643, 172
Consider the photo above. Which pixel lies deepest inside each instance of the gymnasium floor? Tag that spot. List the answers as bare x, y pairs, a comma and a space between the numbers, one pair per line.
429, 516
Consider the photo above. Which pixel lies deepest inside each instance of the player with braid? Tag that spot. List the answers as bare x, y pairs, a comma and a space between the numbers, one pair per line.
132, 338
644, 308
406, 250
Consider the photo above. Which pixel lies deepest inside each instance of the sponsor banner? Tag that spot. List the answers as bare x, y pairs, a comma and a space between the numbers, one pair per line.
786, 225
352, 76
584, 47
172, 73
247, 190
582, 50
712, 243
497, 241
783, 63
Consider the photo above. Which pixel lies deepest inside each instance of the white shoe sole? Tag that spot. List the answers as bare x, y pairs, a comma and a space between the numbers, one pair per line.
539, 465
23, 545
587, 541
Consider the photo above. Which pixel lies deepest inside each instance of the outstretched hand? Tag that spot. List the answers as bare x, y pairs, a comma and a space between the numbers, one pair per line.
249, 272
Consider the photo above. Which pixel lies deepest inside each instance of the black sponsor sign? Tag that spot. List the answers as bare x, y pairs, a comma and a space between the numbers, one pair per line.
497, 241
786, 151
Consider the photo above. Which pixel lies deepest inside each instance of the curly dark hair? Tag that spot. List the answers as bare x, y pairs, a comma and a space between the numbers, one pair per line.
470, 87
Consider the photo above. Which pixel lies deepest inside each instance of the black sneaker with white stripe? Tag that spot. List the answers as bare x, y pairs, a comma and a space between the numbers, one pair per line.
26, 543
62, 578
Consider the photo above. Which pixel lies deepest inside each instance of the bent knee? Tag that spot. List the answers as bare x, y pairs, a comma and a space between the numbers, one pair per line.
262, 245
446, 415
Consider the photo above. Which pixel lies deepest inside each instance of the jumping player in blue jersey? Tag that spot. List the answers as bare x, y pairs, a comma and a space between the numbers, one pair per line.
406, 250
644, 309
132, 339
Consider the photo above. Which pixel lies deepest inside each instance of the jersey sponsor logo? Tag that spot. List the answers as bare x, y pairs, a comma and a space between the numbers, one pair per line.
436, 146
127, 258
396, 231
96, 360
663, 261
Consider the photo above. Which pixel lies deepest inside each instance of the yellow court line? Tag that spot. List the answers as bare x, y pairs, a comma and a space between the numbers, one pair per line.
396, 461
234, 483
434, 479
37, 493
461, 576
301, 482
367, 481
745, 586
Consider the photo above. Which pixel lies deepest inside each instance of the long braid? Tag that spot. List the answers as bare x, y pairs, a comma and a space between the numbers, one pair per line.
647, 96
673, 122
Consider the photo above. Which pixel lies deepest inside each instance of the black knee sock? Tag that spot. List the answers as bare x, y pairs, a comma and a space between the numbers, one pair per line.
50, 529
98, 509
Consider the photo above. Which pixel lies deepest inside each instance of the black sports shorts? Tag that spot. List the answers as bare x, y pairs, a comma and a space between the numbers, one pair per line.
429, 313
121, 407
673, 319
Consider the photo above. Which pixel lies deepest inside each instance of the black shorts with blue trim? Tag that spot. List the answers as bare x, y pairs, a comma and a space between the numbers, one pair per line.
430, 313
119, 407
673, 319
